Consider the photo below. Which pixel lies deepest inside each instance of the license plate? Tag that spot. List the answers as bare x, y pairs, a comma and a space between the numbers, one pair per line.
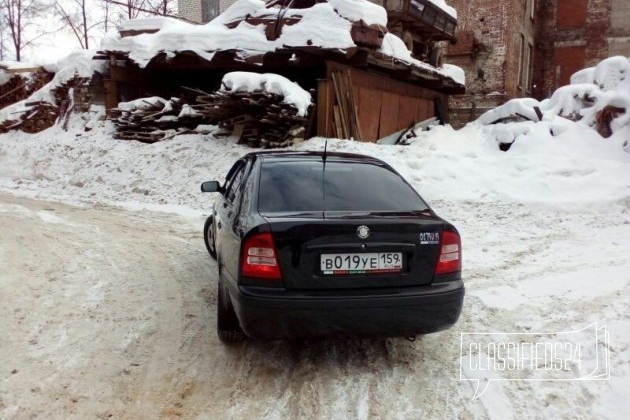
367, 263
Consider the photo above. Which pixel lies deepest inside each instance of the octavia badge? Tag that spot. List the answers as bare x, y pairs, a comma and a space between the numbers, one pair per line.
363, 232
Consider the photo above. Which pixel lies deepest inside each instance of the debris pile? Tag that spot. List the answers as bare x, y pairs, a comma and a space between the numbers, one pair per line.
260, 110
153, 119
258, 119
17, 87
38, 115
598, 98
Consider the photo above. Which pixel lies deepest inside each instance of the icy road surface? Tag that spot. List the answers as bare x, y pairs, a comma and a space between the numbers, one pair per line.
110, 313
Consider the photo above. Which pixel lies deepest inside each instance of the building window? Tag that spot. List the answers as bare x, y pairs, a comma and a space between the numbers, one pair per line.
209, 10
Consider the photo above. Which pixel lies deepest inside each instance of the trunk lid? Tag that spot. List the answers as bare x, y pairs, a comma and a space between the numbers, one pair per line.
301, 240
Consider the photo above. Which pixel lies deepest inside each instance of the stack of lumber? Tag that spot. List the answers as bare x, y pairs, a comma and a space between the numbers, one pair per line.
152, 119
258, 119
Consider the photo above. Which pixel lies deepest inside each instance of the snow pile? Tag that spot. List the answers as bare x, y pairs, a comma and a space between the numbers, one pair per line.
596, 104
574, 173
293, 94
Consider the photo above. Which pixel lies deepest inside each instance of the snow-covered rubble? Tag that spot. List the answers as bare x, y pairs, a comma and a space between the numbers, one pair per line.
79, 63
596, 101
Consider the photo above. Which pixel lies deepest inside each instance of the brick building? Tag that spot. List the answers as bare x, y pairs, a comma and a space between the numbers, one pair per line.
520, 48
202, 11
574, 34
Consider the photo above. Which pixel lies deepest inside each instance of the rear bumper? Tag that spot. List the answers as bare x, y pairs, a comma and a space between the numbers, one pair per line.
267, 313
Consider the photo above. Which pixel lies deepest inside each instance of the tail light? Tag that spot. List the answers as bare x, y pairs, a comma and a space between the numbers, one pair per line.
260, 259
450, 260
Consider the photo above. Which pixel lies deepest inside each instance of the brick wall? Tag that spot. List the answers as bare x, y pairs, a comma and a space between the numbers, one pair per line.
493, 59
619, 36
559, 38
575, 34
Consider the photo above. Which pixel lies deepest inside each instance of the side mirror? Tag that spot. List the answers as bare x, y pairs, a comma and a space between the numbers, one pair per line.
211, 186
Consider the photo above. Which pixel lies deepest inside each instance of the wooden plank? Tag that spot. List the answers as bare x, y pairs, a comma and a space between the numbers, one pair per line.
337, 123
378, 81
352, 107
324, 108
389, 114
341, 106
369, 113
406, 112
424, 109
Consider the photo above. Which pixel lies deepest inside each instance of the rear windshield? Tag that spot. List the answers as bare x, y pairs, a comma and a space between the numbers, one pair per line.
350, 186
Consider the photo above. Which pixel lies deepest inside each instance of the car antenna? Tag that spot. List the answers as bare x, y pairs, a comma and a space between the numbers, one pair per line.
324, 180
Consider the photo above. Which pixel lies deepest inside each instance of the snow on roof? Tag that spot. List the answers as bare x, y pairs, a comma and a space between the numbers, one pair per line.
396, 48
154, 23
356, 10
320, 26
448, 9
241, 81
325, 25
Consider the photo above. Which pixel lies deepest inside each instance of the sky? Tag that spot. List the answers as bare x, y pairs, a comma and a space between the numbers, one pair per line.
59, 40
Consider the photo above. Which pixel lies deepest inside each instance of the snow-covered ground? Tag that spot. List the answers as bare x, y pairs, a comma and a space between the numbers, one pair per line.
111, 311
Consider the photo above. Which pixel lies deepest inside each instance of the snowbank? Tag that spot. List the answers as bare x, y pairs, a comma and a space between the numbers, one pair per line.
576, 172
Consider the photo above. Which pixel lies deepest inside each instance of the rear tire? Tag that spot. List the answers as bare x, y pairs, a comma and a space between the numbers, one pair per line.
228, 329
208, 236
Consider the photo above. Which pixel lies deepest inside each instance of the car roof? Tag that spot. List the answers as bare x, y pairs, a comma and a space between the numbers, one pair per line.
276, 155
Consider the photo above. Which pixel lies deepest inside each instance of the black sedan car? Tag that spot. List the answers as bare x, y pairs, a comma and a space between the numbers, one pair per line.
314, 244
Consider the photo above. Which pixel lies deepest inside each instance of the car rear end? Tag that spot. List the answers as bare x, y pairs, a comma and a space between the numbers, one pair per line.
346, 247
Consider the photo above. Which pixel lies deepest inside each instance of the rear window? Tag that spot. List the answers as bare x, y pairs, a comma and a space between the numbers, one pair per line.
298, 186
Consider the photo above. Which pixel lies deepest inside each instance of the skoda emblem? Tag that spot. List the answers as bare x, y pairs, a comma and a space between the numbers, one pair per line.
363, 232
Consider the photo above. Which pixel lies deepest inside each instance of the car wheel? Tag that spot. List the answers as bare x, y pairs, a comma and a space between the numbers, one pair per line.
208, 236
228, 329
